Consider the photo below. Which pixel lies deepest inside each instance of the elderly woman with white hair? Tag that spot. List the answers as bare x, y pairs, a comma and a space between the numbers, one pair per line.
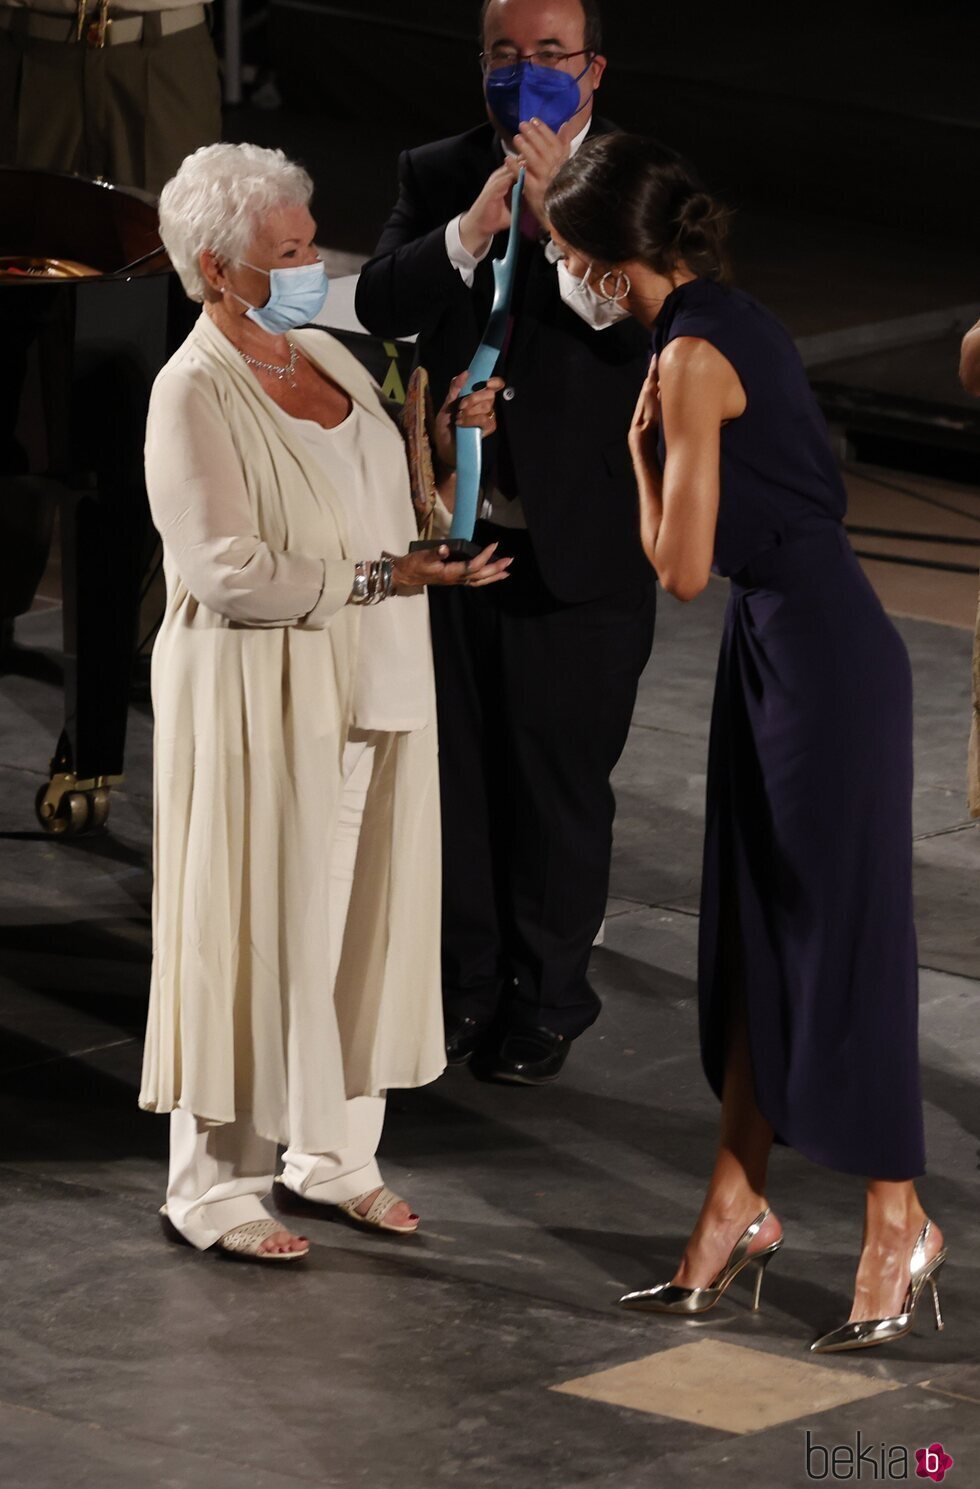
296, 860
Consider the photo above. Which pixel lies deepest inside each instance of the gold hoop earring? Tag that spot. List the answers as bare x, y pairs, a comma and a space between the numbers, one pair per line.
623, 283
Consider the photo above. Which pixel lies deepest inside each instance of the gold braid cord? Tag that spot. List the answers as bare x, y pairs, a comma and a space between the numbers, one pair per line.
416, 420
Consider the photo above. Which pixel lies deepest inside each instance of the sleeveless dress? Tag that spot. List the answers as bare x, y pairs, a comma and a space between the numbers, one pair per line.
806, 901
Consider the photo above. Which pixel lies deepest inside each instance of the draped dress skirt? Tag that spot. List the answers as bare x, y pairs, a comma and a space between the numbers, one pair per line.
806, 908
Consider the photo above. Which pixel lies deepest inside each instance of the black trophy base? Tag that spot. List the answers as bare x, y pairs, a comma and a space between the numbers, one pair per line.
460, 549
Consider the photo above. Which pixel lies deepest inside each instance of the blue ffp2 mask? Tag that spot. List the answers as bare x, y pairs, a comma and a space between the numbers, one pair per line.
528, 91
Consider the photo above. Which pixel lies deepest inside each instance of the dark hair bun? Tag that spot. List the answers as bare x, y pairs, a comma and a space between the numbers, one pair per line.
694, 211
622, 197
700, 227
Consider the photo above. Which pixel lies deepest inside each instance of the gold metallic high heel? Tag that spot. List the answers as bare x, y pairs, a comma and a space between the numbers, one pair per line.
667, 1298
865, 1333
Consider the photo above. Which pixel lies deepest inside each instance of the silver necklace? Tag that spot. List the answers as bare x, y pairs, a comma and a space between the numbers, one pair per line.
285, 374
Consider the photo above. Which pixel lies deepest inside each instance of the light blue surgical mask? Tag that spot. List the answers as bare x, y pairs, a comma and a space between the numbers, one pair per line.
296, 297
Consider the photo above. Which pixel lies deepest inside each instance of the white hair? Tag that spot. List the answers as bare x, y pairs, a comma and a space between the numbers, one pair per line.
216, 199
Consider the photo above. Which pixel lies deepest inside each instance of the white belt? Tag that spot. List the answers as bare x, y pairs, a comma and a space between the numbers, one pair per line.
120, 27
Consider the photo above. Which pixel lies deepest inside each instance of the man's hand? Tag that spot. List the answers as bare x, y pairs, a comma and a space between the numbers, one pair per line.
542, 153
477, 409
489, 214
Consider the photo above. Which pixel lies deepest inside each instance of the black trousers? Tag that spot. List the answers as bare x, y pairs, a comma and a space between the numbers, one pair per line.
535, 699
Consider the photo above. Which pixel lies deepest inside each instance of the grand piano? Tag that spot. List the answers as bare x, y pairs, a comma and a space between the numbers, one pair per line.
90, 309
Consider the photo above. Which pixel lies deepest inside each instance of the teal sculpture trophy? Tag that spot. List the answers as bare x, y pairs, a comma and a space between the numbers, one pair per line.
469, 442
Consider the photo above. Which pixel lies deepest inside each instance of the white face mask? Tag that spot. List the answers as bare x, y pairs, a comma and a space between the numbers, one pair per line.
598, 310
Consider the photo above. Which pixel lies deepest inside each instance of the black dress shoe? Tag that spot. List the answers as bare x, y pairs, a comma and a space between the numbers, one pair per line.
463, 1036
529, 1057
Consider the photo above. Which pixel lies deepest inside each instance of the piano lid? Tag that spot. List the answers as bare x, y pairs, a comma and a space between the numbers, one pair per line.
101, 230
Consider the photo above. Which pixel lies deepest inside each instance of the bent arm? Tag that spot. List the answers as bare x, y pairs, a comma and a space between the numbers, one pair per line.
970, 361
410, 282
699, 391
201, 508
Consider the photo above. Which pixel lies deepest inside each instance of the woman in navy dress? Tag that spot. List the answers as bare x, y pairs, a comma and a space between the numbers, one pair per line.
807, 959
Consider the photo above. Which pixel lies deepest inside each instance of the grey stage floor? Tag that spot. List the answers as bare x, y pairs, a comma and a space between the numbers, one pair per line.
128, 1364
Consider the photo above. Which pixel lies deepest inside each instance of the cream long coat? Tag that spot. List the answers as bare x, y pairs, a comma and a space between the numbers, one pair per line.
252, 696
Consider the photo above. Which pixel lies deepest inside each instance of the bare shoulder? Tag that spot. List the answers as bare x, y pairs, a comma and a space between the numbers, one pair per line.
687, 356
690, 364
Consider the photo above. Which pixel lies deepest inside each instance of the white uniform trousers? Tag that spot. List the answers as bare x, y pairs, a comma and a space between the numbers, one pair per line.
221, 1172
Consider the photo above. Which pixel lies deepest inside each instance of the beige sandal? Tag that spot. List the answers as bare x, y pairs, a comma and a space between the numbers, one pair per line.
288, 1202
385, 1200
242, 1242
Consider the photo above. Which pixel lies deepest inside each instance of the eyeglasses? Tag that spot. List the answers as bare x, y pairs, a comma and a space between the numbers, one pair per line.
500, 57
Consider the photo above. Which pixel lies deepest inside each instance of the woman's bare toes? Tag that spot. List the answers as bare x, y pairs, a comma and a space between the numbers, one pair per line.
403, 1216
280, 1241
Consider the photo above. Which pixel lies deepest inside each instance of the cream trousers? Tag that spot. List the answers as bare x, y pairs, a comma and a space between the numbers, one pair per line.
221, 1172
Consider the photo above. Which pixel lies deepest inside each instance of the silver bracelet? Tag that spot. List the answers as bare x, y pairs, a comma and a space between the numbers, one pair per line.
359, 590
374, 581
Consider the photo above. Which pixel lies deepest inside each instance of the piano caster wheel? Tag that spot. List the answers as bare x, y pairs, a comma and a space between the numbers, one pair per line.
73, 812
98, 808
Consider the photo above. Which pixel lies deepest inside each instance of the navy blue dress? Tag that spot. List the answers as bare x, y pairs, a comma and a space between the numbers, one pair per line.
806, 902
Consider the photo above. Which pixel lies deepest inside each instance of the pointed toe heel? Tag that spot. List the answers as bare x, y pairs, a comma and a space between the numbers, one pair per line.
666, 1297
866, 1333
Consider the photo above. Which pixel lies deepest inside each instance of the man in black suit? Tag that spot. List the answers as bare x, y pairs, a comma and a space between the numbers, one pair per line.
537, 677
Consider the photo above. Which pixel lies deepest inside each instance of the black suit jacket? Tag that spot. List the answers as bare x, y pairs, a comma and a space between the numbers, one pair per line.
573, 388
